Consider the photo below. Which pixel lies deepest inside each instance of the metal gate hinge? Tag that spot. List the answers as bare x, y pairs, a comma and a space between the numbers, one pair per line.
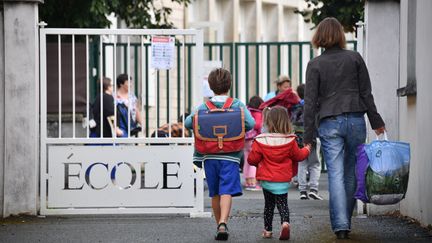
42, 24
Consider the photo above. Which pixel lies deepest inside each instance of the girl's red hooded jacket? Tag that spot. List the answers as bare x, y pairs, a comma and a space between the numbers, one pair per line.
276, 157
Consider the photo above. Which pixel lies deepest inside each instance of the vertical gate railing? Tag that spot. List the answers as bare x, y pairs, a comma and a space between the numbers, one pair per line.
255, 65
67, 83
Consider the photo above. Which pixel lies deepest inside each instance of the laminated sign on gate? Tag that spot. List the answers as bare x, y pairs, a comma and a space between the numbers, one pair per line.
162, 56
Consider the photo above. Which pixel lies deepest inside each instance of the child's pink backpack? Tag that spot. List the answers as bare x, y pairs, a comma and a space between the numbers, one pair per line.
251, 134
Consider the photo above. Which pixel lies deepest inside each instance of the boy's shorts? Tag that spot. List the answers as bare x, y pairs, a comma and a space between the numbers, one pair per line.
223, 177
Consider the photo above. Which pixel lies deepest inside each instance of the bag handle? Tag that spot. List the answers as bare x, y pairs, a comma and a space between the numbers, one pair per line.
384, 136
229, 101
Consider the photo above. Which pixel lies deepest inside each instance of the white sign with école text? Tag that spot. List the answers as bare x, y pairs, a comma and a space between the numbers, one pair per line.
162, 52
120, 176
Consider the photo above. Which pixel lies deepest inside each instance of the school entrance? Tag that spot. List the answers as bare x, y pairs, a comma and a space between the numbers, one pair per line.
144, 171
84, 174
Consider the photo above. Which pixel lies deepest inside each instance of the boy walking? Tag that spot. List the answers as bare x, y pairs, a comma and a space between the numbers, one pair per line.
222, 169
311, 165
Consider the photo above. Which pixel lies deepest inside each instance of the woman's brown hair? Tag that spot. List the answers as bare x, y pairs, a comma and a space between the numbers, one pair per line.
276, 119
329, 33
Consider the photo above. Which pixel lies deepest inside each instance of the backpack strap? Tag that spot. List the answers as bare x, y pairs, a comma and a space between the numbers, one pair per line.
228, 103
210, 105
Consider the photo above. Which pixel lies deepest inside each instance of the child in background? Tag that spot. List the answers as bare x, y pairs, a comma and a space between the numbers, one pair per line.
248, 170
222, 170
311, 164
275, 154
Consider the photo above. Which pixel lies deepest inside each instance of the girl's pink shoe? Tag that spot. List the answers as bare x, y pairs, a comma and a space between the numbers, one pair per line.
255, 188
285, 231
267, 234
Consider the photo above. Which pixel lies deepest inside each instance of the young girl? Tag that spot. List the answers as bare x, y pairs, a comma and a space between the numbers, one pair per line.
275, 154
249, 171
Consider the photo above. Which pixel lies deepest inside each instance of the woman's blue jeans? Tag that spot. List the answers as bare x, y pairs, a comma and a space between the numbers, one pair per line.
340, 135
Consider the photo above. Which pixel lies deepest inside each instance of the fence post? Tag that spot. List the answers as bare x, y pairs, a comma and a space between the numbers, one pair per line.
19, 168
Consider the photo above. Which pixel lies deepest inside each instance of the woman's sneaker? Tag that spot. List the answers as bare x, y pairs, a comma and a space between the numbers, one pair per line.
314, 195
303, 195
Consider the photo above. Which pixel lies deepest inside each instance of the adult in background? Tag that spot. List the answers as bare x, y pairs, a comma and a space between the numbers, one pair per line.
106, 111
282, 83
288, 99
338, 94
127, 103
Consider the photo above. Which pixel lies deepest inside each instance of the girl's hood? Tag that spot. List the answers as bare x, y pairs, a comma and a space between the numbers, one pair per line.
274, 139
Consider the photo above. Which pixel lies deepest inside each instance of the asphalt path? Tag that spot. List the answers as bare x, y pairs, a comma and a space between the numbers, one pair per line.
309, 223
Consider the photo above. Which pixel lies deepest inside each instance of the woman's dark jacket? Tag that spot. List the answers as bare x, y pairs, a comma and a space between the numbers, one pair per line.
108, 110
337, 82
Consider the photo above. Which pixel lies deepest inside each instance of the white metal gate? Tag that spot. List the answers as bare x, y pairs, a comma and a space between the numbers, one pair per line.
80, 174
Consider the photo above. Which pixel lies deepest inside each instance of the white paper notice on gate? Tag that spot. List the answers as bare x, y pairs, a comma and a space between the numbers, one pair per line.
162, 49
120, 176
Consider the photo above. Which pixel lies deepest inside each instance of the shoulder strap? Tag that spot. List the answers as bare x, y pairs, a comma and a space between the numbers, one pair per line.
228, 103
210, 105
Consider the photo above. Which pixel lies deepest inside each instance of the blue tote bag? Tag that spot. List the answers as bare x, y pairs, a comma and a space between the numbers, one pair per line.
387, 171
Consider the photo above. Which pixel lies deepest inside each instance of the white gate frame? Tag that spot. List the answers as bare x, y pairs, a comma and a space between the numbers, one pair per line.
197, 36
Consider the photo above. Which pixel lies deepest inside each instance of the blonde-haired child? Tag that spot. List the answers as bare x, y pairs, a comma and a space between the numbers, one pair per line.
276, 153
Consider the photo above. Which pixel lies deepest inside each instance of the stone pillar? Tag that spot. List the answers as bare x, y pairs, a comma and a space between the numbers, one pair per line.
415, 108
2, 103
382, 59
20, 161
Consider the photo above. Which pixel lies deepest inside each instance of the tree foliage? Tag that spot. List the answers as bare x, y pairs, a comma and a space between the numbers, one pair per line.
348, 12
93, 13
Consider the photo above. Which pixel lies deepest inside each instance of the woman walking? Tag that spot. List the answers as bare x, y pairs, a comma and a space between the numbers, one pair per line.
338, 94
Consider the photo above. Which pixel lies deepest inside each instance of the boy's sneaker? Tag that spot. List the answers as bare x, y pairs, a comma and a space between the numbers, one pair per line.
303, 195
222, 232
314, 195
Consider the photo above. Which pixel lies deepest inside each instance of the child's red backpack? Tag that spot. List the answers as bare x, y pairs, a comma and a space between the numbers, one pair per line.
219, 130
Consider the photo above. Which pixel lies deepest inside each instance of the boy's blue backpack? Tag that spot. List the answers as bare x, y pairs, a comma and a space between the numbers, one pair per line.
219, 130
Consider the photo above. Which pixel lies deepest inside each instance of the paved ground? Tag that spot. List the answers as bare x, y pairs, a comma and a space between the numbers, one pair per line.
309, 220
